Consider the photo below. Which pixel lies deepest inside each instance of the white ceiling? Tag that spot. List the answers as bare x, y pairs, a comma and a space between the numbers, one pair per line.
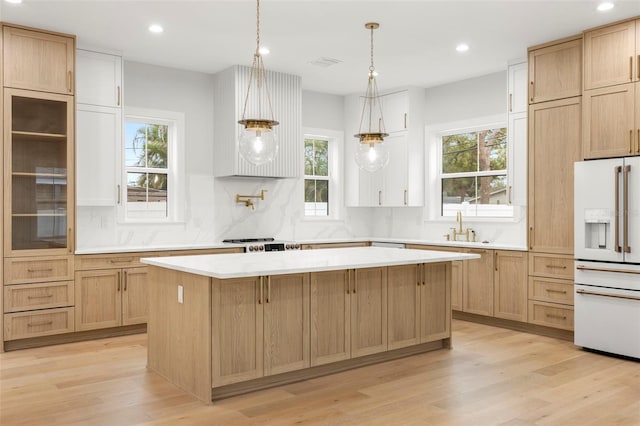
415, 44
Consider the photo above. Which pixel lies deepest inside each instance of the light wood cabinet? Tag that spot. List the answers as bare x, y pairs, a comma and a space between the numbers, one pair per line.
419, 298
554, 145
23, 270
550, 290
555, 70
260, 327
110, 298
610, 128
612, 55
38, 173
26, 297
38, 60
22, 325
510, 285
477, 287
348, 314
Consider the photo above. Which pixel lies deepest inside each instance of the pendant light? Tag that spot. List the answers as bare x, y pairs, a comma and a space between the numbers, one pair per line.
372, 153
258, 143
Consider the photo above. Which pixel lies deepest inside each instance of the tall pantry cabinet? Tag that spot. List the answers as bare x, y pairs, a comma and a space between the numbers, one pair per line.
38, 181
555, 110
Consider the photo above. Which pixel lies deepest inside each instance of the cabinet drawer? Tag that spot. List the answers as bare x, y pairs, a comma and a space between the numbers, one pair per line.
110, 261
551, 315
24, 297
335, 245
193, 252
38, 323
551, 290
551, 265
21, 270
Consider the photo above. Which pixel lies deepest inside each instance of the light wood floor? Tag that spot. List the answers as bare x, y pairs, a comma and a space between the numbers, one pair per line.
490, 377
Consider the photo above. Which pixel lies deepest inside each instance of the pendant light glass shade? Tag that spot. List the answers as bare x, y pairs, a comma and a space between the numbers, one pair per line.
372, 153
258, 143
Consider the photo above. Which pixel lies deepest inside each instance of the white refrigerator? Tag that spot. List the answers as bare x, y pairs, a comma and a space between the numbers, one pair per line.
607, 255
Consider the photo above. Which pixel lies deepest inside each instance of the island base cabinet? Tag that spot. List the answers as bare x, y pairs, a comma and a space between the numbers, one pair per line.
348, 314
237, 315
419, 304
330, 313
260, 327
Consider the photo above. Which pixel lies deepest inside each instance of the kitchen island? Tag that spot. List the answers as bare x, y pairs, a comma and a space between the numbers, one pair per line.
225, 324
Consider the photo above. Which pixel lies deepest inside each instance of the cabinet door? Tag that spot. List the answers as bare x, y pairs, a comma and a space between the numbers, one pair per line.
608, 122
370, 186
237, 341
395, 111
403, 305
98, 143
457, 276
518, 88
98, 79
554, 145
39, 173
609, 54
510, 282
368, 311
555, 72
98, 299
38, 61
286, 323
477, 290
135, 306
517, 134
396, 173
330, 313
435, 302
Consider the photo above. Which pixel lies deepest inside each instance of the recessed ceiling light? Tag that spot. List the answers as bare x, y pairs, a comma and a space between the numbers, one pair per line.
462, 47
605, 6
13, 1
264, 50
155, 28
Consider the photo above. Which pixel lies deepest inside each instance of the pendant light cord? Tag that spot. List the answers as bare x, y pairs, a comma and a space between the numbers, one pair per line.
371, 67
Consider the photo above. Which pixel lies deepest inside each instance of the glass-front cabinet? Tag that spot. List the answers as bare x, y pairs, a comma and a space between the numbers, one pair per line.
38, 199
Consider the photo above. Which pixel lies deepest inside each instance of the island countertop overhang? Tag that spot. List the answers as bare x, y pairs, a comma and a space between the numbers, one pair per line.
239, 265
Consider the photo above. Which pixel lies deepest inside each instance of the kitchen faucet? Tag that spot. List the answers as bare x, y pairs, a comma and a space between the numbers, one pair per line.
468, 233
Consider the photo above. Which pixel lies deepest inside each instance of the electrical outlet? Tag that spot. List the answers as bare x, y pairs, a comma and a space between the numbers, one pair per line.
180, 294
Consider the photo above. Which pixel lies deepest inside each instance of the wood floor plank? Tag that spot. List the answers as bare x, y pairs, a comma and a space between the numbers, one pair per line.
491, 376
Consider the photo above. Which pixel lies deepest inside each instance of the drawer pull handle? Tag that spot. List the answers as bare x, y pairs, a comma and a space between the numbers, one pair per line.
615, 296
549, 290
40, 297
121, 260
621, 271
40, 269
36, 324
562, 317
556, 266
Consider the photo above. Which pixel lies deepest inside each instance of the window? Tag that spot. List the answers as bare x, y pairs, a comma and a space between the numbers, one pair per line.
151, 165
473, 172
316, 177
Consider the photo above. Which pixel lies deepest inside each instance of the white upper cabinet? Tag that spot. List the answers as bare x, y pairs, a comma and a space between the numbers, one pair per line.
401, 182
517, 134
395, 110
98, 79
518, 88
98, 128
230, 88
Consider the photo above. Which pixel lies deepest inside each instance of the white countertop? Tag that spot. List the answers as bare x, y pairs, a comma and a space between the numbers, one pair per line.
237, 265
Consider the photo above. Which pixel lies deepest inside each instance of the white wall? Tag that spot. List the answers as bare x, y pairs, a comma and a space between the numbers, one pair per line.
464, 100
210, 211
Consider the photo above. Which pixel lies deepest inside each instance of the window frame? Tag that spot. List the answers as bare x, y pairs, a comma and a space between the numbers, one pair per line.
175, 163
435, 175
335, 161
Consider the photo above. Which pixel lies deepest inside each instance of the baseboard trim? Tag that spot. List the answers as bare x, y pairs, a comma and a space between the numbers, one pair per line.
515, 325
35, 342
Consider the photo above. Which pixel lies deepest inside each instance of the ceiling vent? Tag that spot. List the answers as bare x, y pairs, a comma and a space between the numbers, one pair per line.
325, 62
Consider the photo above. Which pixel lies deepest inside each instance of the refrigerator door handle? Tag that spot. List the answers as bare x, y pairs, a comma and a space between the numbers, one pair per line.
616, 227
625, 207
